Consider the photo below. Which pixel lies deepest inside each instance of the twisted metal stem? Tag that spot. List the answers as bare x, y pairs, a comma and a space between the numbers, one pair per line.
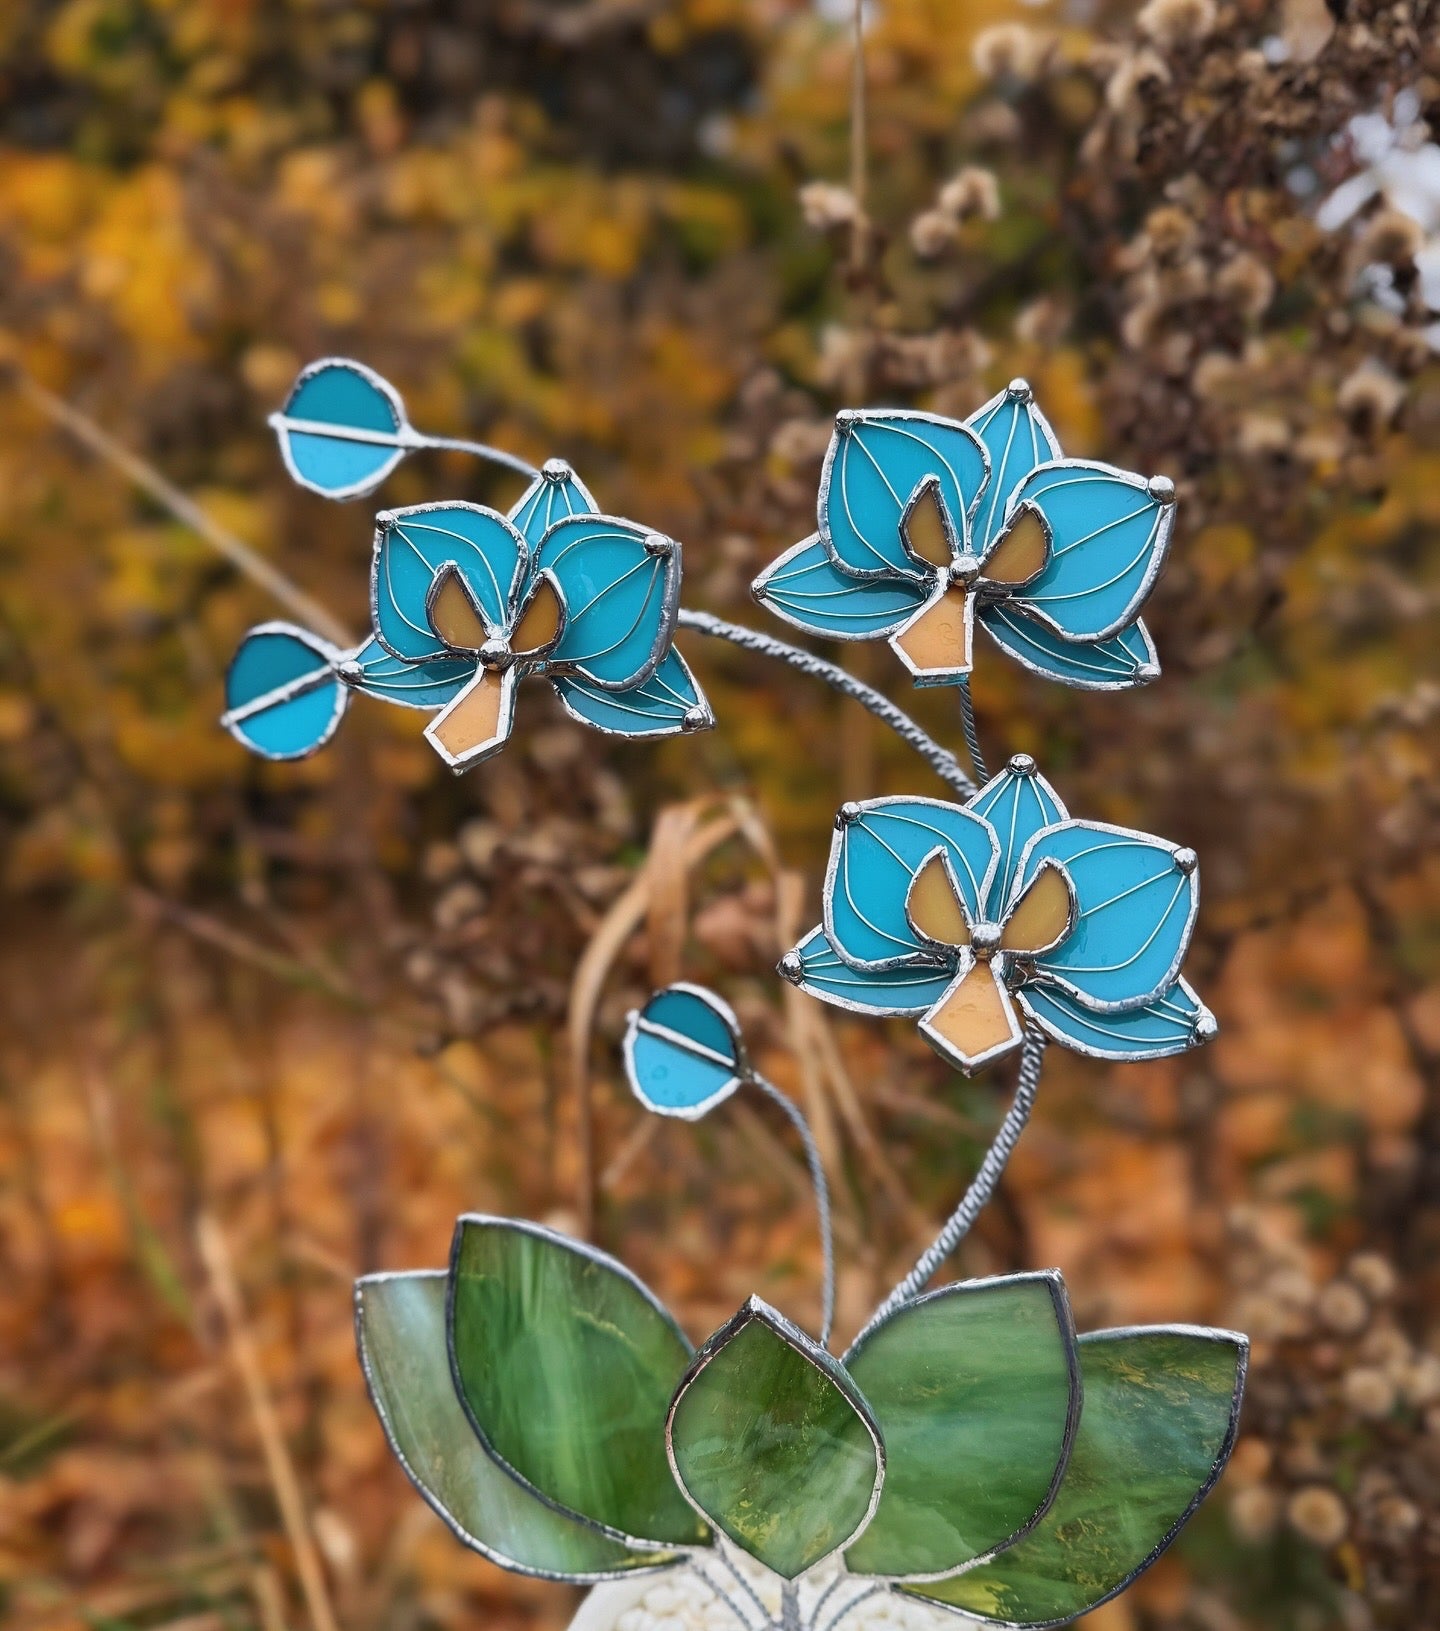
789, 1606
822, 1201
722, 1595
845, 1608
972, 731
944, 763
982, 1187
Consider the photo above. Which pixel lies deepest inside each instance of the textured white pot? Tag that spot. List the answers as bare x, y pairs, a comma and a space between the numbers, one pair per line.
682, 1601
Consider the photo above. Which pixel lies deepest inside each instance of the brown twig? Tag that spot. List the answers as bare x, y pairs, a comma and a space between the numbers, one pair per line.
859, 177
185, 510
215, 1255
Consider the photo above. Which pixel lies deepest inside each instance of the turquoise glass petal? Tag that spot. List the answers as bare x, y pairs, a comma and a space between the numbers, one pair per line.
808, 589
1124, 660
555, 493
1136, 899
1156, 1430
873, 466
1109, 534
283, 698
400, 1332
774, 1444
1174, 1021
976, 1388
874, 858
622, 597
566, 1364
683, 1052
1017, 803
349, 397
1017, 437
669, 701
414, 685
824, 973
411, 548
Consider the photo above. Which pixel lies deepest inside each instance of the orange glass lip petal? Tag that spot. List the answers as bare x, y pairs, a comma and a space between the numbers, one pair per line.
947, 1030
934, 904
1043, 915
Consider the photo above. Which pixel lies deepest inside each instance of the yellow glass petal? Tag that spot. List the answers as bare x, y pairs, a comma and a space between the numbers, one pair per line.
540, 623
1021, 553
974, 1021
1043, 915
937, 639
934, 907
452, 612
926, 531
476, 719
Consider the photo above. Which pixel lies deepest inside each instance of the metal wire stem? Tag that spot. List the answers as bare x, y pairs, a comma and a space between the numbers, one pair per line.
971, 730
482, 450
822, 1201
790, 1606
944, 763
751, 1594
982, 1187
723, 1596
854, 1602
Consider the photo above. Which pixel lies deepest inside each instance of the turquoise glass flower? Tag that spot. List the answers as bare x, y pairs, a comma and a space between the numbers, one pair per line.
963, 915
928, 526
466, 604
968, 1450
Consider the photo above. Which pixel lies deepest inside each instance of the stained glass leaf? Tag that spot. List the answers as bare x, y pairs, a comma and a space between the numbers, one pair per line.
806, 588
1136, 898
566, 1364
824, 973
342, 429
683, 1052
976, 1388
874, 857
773, 1443
414, 685
557, 492
1120, 663
1173, 1022
400, 1331
668, 702
1017, 437
1156, 1429
283, 695
1109, 531
621, 585
411, 547
874, 465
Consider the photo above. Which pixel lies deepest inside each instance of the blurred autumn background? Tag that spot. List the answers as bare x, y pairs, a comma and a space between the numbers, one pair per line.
266, 1027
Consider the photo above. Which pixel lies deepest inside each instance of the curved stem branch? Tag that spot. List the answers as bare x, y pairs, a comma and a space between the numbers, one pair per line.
822, 1201
481, 450
982, 1187
972, 732
941, 760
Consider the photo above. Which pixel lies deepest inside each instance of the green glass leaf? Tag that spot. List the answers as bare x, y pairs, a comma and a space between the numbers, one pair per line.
400, 1331
566, 1364
1155, 1432
977, 1391
773, 1443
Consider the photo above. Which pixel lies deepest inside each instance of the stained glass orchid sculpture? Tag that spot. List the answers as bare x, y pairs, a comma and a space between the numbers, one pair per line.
928, 526
967, 1451
964, 914
467, 602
